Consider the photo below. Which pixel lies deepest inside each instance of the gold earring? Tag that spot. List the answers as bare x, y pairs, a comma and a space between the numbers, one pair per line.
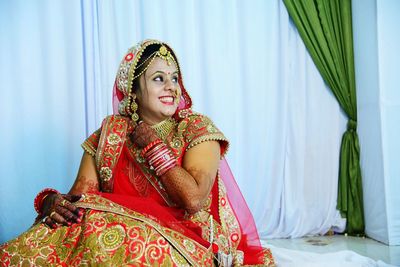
134, 108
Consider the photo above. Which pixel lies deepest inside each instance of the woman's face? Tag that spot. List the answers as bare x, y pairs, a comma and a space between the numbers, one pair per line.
159, 92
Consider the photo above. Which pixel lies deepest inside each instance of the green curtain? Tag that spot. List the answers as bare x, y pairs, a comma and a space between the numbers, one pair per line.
326, 29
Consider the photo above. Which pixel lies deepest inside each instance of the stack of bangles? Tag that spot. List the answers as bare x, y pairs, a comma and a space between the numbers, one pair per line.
159, 157
38, 202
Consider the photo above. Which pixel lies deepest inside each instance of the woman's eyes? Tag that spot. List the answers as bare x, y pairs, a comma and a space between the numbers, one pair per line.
161, 79
158, 79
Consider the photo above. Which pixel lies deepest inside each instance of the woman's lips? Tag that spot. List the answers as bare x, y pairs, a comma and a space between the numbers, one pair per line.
167, 100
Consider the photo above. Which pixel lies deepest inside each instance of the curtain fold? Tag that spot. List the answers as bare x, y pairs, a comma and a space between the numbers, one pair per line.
326, 29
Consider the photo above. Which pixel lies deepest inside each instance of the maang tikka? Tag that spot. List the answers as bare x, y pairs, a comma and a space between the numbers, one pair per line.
162, 53
134, 108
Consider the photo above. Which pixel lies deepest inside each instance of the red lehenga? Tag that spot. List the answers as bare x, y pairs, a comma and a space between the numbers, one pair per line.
132, 221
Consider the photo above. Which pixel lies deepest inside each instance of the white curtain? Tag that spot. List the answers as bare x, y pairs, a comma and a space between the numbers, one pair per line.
244, 65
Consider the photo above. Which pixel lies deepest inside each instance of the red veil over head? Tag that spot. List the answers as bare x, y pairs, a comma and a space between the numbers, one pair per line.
250, 243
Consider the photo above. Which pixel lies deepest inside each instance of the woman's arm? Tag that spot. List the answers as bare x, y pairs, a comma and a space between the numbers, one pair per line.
58, 208
190, 185
87, 180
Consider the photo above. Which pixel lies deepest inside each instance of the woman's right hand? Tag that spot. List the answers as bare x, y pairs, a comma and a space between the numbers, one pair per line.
58, 209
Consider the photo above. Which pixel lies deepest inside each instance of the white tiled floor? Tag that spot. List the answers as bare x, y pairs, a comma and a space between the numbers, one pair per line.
322, 244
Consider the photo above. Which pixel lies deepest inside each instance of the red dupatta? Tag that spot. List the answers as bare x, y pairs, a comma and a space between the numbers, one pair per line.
173, 217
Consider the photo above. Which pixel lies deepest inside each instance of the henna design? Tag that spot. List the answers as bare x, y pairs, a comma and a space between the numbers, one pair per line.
85, 185
57, 208
186, 191
143, 135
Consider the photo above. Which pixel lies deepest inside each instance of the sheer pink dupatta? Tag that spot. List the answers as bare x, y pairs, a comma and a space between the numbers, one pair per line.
250, 243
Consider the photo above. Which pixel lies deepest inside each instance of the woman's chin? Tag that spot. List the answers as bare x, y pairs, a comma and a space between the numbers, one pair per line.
169, 112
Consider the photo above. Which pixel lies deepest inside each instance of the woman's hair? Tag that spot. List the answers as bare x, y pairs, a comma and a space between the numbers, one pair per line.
144, 62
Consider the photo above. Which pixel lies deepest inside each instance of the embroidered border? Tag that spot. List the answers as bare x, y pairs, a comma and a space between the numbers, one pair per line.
210, 137
200, 254
198, 128
90, 150
110, 146
91, 143
229, 223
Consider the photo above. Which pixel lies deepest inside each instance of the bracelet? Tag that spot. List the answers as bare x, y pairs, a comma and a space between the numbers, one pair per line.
150, 146
160, 154
37, 203
154, 150
166, 167
160, 158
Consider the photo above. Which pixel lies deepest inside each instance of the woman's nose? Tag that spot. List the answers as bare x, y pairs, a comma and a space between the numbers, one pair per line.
169, 85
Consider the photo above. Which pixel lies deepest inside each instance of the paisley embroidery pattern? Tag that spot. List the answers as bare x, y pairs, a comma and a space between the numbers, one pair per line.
117, 237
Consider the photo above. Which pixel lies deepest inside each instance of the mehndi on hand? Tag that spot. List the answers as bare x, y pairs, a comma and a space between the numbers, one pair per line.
143, 135
59, 209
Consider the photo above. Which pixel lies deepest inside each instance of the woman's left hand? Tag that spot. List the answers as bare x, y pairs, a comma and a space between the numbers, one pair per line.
143, 135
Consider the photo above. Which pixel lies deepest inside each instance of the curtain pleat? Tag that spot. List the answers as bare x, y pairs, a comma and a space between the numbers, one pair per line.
326, 29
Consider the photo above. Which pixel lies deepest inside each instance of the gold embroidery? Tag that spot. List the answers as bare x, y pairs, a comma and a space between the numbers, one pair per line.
198, 129
116, 237
204, 138
229, 223
105, 173
212, 129
91, 143
176, 143
109, 149
174, 238
113, 139
178, 259
111, 238
189, 245
90, 150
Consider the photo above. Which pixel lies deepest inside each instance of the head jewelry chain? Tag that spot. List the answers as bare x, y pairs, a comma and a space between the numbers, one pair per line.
162, 53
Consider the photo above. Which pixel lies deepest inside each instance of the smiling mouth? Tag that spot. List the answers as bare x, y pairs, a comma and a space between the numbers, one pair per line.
167, 100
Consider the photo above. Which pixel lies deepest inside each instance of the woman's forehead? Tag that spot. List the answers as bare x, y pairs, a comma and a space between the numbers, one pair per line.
162, 65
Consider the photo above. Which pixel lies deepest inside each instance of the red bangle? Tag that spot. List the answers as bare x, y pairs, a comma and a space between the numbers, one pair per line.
154, 150
149, 146
37, 203
160, 158
166, 167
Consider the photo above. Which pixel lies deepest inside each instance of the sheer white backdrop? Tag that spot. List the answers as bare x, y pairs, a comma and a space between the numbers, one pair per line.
244, 65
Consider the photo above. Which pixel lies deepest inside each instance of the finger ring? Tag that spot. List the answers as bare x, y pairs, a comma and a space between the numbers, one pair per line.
52, 213
63, 202
44, 219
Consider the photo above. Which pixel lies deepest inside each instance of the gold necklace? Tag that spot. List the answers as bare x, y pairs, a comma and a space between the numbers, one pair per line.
164, 128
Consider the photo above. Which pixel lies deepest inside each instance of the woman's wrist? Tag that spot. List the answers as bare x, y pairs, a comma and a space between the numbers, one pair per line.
160, 158
41, 196
150, 146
